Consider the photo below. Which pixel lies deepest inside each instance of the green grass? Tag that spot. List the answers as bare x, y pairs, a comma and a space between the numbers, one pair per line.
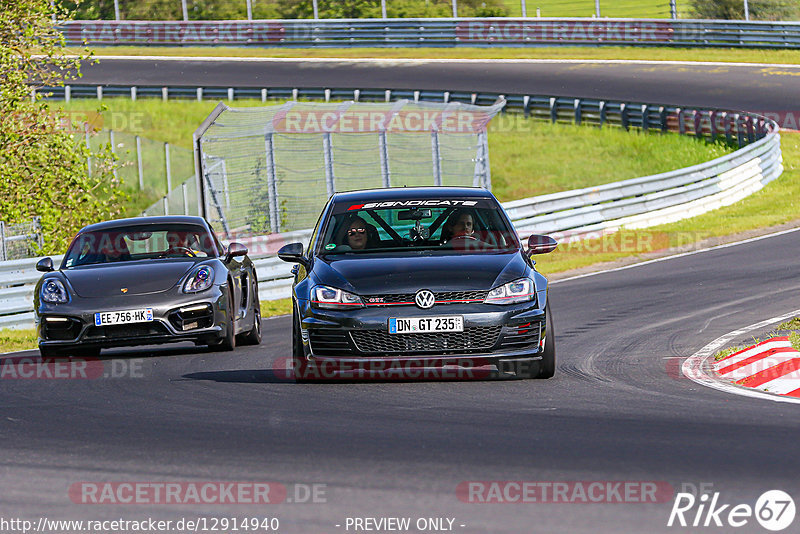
530, 158
775, 204
13, 340
643, 9
555, 52
791, 324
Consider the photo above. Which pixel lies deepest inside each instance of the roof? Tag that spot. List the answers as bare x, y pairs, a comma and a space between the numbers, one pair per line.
403, 193
140, 221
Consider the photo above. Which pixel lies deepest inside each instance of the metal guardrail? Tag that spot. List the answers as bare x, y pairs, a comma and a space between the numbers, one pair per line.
438, 32
635, 203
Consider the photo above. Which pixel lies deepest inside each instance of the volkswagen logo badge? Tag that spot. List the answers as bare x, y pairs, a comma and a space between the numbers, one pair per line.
424, 299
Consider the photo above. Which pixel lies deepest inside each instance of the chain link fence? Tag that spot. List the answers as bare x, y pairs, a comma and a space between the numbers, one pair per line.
20, 240
271, 169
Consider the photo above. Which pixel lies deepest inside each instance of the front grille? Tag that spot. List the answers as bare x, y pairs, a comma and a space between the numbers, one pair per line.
329, 342
520, 337
442, 297
126, 330
472, 339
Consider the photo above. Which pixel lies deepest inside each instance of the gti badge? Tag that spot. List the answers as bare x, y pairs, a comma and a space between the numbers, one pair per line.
424, 299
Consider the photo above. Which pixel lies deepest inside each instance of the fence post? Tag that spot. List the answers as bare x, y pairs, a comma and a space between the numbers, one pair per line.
249, 10
315, 5
272, 189
524, 9
116, 9
166, 205
185, 11
455, 9
383, 9
185, 199
327, 153
2, 241
673, 9
169, 172
437, 161
597, 8
383, 148
139, 162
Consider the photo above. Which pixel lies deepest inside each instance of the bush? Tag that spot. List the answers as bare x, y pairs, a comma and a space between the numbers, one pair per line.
43, 167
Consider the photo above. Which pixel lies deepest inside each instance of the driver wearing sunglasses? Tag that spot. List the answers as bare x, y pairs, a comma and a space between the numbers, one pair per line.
357, 234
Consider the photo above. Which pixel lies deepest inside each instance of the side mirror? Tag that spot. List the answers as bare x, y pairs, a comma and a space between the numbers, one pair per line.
45, 265
235, 250
541, 244
293, 253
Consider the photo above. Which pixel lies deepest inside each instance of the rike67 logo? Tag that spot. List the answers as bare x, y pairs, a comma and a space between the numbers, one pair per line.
774, 510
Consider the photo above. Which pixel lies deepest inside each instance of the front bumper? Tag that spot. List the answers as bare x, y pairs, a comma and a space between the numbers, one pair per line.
72, 324
492, 335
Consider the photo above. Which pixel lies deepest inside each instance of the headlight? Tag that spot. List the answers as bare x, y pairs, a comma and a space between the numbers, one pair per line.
334, 299
521, 290
53, 291
201, 279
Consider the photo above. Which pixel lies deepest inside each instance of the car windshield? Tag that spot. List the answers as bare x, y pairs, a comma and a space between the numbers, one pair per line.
468, 225
133, 243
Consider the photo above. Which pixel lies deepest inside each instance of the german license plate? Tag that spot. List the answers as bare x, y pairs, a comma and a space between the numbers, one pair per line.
426, 325
144, 315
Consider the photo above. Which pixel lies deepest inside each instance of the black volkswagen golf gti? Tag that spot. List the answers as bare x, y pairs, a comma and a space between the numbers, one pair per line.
399, 280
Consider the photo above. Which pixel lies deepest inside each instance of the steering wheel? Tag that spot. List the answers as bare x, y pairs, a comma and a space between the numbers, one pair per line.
189, 251
463, 237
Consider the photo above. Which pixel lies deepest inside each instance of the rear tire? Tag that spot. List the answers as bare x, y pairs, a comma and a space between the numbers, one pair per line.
547, 367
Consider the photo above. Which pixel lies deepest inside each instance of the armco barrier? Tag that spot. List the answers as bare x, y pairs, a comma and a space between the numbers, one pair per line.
438, 32
635, 203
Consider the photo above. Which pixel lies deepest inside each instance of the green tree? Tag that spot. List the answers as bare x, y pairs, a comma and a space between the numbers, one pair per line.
43, 164
734, 9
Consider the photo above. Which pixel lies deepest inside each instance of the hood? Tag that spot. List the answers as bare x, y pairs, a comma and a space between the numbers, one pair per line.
371, 275
108, 280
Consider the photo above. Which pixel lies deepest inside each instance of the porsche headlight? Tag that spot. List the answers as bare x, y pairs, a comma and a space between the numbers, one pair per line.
201, 279
521, 290
54, 292
334, 299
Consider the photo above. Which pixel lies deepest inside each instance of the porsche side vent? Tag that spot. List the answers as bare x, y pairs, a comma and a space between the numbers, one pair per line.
472, 339
329, 342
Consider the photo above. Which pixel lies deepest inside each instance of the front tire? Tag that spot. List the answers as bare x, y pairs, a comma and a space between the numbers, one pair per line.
228, 343
253, 337
299, 362
547, 367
